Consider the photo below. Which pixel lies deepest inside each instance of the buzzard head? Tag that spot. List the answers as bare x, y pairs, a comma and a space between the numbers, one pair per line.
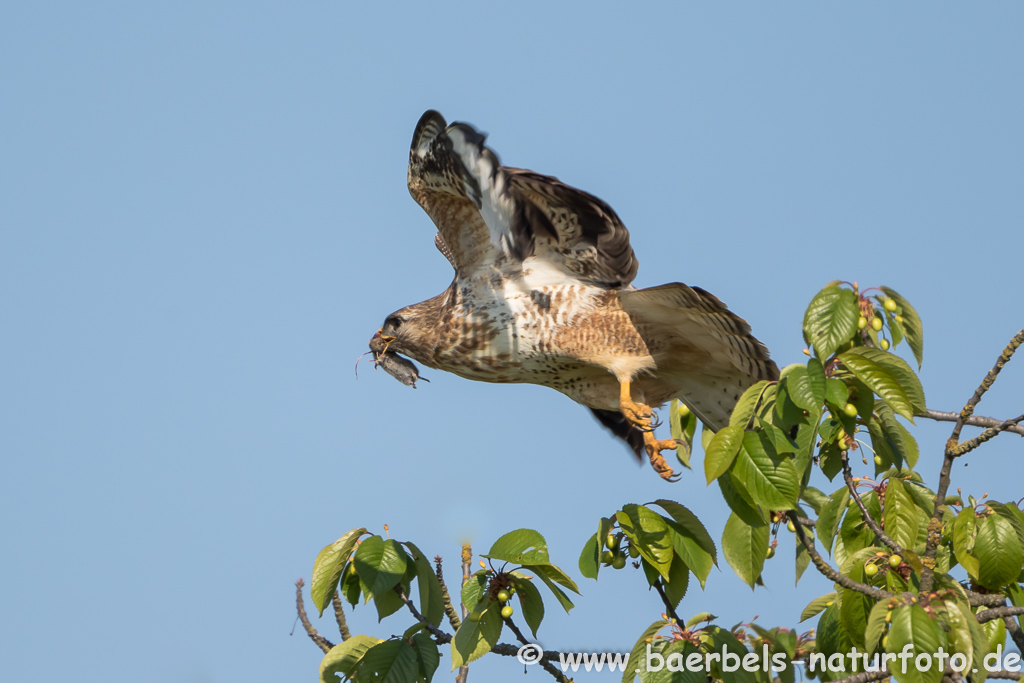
394, 336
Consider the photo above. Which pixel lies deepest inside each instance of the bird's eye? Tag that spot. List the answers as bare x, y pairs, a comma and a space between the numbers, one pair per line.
393, 323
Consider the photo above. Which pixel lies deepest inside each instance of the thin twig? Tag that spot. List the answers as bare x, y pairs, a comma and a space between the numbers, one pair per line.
868, 519
545, 662
1015, 632
446, 598
987, 599
467, 560
973, 421
440, 636
1002, 673
300, 607
951, 453
829, 572
987, 435
669, 609
339, 616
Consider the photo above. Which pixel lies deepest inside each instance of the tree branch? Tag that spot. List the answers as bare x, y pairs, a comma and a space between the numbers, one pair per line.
446, 598
987, 435
467, 560
545, 661
953, 451
864, 677
300, 607
973, 421
999, 612
829, 572
1015, 633
670, 610
868, 519
987, 599
339, 616
440, 636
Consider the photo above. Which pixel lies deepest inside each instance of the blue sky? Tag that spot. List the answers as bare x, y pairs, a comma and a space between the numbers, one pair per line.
203, 219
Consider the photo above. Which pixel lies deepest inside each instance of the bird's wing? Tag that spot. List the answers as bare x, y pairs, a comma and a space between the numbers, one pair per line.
704, 346
489, 214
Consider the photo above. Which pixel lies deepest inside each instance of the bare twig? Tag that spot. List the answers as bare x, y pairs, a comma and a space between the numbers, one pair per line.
973, 421
868, 519
339, 616
953, 451
1015, 632
999, 612
545, 661
987, 599
1002, 673
829, 572
300, 607
446, 598
987, 435
440, 636
669, 609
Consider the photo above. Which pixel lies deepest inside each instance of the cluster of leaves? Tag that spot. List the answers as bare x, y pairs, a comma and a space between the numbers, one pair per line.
893, 544
383, 570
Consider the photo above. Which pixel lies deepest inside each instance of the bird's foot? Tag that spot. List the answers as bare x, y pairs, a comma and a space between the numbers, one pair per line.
637, 414
654, 447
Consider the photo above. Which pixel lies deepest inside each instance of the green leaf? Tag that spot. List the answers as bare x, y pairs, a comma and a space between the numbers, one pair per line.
1013, 515
649, 533
683, 428
522, 546
725, 640
897, 436
836, 393
814, 497
912, 626
530, 601
720, 453
678, 581
803, 558
674, 652
877, 367
830, 320
328, 567
690, 540
752, 399
590, 558
900, 515
552, 575
875, 626
816, 379
832, 638
431, 602
380, 565
911, 325
391, 661
343, 658
817, 605
830, 515
772, 481
693, 526
638, 655
998, 551
965, 529
745, 547
853, 606
350, 586
474, 639
740, 501
802, 392
427, 655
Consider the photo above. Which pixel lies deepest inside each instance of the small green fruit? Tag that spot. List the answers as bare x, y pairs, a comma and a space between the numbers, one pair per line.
475, 616
862, 322
619, 562
791, 526
889, 305
895, 561
507, 611
876, 324
898, 318
634, 552
878, 460
607, 556
884, 344
885, 641
684, 410
850, 410
870, 569
611, 542
503, 596
770, 554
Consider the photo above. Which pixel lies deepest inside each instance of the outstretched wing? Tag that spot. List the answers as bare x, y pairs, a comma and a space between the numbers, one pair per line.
490, 214
706, 348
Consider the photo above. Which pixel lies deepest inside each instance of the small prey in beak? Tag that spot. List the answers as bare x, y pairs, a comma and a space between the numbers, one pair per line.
400, 368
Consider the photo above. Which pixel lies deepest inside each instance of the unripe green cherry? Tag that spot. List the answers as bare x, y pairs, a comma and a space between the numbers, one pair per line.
895, 561
862, 322
870, 569
607, 556
791, 526
507, 611
876, 324
503, 596
770, 554
884, 344
898, 318
878, 460
850, 410
889, 305
634, 552
475, 616
684, 409
619, 562
611, 542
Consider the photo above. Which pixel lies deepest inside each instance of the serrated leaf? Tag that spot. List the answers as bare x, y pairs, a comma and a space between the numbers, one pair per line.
740, 501
380, 565
721, 452
772, 481
522, 546
474, 639
391, 661
814, 497
817, 606
343, 657
745, 547
678, 581
863, 362
830, 320
801, 391
912, 626
590, 558
552, 575
431, 602
750, 400
530, 602
965, 530
900, 515
875, 626
911, 325
830, 516
897, 435
998, 551
427, 655
328, 566
649, 533
638, 654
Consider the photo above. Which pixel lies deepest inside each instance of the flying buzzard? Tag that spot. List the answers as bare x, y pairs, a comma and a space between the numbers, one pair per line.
542, 295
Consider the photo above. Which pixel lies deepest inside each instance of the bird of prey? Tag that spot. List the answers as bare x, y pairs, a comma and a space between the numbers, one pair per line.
542, 295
